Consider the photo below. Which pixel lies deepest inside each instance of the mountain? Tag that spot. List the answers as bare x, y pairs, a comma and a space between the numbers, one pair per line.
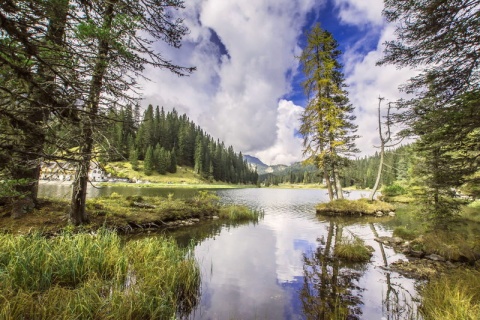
262, 167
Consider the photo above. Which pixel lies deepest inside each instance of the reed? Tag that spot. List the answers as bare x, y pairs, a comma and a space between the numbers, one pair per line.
240, 213
95, 276
455, 296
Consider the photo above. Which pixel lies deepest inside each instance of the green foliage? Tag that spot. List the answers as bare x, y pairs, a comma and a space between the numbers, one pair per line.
95, 276
393, 190
240, 213
149, 163
405, 233
10, 188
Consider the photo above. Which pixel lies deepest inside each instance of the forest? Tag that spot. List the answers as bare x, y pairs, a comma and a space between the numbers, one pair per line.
164, 140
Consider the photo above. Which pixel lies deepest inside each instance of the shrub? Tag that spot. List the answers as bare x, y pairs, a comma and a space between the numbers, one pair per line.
393, 190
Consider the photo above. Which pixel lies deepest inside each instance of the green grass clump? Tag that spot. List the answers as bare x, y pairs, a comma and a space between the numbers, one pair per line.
94, 276
239, 213
471, 211
352, 250
455, 296
344, 207
405, 233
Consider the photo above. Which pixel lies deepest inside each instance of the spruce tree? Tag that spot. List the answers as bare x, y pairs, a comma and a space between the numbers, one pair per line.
148, 163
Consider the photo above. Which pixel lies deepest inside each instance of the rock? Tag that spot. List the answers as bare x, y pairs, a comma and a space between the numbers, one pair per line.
435, 257
215, 217
391, 214
22, 207
417, 254
397, 240
195, 220
379, 214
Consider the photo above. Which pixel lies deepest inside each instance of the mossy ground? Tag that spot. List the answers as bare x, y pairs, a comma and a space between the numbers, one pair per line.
344, 207
125, 213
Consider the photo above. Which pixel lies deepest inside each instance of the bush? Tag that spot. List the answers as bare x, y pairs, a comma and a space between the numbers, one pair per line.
393, 190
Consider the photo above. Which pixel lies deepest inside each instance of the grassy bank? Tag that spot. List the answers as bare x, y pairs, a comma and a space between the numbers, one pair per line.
128, 214
95, 276
454, 296
454, 292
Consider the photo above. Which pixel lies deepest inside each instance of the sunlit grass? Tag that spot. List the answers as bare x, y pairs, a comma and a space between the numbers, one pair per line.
455, 296
353, 207
94, 276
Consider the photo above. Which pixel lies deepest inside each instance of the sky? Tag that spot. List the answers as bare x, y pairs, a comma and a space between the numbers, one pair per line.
246, 89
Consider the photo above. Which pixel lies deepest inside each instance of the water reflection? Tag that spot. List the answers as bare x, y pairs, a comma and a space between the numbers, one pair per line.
330, 290
283, 267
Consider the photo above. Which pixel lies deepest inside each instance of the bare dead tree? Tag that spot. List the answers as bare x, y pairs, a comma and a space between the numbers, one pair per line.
384, 140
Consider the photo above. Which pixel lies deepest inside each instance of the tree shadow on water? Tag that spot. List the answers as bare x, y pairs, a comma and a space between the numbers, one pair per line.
330, 290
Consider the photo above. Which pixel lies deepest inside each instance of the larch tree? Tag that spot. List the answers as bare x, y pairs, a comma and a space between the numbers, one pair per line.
327, 120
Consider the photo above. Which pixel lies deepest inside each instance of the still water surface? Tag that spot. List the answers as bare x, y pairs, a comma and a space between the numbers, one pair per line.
283, 267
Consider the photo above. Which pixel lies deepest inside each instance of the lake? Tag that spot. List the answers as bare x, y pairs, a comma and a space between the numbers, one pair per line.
283, 267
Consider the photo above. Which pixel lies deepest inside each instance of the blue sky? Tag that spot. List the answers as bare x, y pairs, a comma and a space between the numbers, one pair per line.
246, 90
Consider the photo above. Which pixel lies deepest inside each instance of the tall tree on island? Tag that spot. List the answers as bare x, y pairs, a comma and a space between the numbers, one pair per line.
327, 120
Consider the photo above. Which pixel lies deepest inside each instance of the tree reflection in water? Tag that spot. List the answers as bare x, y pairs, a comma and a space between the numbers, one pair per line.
399, 303
330, 289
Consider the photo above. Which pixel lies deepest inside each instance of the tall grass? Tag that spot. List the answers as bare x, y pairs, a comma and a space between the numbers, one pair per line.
95, 276
240, 213
455, 296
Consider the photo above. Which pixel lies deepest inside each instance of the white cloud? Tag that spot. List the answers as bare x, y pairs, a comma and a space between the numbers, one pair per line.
360, 12
234, 96
287, 147
366, 83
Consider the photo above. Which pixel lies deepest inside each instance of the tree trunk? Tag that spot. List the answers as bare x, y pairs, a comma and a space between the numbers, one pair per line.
338, 184
77, 209
326, 177
379, 174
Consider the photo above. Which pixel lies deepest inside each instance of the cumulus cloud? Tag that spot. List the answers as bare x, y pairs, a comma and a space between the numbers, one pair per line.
244, 52
360, 12
288, 146
366, 81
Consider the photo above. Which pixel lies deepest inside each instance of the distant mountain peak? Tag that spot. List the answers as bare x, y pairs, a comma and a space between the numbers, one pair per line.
262, 167
254, 161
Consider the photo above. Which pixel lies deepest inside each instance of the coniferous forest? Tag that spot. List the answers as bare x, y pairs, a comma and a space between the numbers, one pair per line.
163, 140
